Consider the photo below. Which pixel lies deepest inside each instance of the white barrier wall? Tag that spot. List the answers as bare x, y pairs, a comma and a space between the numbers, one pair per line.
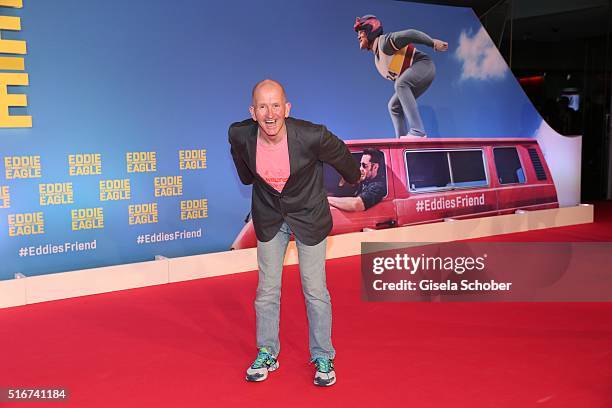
43, 288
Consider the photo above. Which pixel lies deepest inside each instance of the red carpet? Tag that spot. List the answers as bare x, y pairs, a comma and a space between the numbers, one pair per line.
188, 345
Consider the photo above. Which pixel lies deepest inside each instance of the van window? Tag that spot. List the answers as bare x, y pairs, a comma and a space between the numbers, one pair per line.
376, 178
467, 168
427, 170
508, 165
445, 169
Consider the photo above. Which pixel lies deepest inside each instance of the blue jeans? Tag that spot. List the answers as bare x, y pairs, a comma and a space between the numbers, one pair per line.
403, 106
270, 256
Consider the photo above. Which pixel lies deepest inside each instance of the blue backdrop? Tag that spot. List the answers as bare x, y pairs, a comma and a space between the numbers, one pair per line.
112, 77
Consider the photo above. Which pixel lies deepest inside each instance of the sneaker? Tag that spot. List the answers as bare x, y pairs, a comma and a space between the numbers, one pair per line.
325, 375
264, 363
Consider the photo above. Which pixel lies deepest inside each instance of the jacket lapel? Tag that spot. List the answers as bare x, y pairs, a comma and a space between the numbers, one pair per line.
251, 147
293, 146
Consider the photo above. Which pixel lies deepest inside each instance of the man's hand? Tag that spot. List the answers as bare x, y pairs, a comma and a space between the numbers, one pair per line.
440, 45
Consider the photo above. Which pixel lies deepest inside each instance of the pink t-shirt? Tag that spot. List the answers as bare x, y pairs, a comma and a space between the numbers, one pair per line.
273, 163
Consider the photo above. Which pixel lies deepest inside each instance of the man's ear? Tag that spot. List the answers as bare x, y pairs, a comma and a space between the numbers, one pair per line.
252, 112
287, 109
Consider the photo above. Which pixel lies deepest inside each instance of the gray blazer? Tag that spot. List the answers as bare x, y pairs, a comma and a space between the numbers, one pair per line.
303, 202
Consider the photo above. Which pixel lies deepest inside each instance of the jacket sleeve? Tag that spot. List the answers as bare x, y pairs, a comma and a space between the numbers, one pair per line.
245, 174
334, 152
393, 42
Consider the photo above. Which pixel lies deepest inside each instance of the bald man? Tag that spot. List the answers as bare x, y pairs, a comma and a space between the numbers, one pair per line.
283, 158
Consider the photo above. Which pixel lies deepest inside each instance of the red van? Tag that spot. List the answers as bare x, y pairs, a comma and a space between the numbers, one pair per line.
427, 180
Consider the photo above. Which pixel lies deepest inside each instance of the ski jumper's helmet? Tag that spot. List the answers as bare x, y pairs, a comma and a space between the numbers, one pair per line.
371, 25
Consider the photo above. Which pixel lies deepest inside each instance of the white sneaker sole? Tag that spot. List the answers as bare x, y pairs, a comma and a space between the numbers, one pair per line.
332, 382
265, 376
